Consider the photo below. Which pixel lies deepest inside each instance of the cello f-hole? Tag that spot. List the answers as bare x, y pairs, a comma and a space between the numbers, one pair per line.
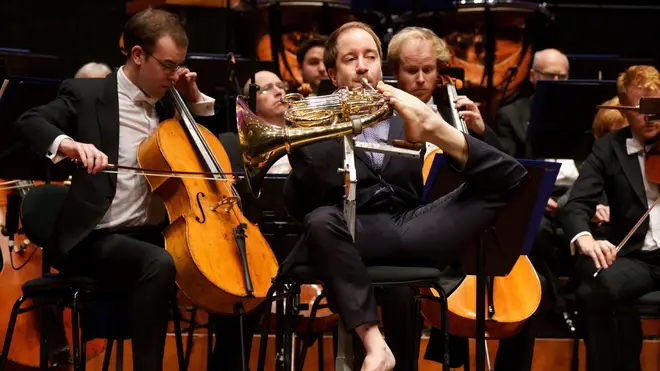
201, 209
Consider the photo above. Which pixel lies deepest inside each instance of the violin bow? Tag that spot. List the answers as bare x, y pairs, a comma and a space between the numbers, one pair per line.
639, 222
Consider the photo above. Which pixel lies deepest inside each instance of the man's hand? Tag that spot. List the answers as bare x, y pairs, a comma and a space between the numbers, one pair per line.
602, 252
472, 116
186, 84
551, 207
602, 214
93, 159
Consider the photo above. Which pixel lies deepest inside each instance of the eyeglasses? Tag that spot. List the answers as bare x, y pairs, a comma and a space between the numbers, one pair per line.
552, 75
168, 67
282, 85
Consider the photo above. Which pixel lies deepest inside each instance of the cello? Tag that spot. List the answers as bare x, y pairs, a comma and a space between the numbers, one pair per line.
224, 264
510, 300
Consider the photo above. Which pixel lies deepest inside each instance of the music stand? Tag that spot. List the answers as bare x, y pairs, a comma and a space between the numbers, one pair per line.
23, 63
508, 239
221, 73
562, 115
17, 161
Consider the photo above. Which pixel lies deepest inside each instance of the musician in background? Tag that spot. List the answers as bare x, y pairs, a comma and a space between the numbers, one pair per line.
310, 63
110, 225
392, 222
512, 120
613, 333
93, 70
269, 108
416, 55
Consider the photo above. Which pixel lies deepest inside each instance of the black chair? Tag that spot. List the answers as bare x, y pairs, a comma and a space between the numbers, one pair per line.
38, 214
648, 306
288, 287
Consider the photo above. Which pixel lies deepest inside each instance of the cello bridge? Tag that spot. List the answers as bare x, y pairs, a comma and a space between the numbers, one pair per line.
226, 204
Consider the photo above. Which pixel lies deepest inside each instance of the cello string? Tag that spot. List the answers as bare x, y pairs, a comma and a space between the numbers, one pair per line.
196, 133
219, 169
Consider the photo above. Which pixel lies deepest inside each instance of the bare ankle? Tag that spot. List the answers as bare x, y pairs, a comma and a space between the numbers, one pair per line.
371, 337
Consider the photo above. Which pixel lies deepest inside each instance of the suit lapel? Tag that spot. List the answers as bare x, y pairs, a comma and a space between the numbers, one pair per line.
630, 165
524, 108
107, 115
395, 132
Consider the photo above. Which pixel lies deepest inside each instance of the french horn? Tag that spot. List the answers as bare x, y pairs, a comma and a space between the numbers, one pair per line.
308, 121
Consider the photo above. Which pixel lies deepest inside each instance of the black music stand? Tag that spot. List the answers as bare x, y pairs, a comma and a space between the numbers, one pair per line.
17, 161
511, 235
16, 62
221, 75
562, 115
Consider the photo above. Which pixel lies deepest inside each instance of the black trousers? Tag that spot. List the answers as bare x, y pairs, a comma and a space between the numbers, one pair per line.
611, 326
429, 235
133, 265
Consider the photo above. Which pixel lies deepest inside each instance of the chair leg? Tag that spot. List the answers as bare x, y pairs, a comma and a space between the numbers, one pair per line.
10, 332
78, 362
107, 355
308, 338
290, 313
319, 343
178, 336
120, 355
192, 325
263, 342
442, 300
209, 341
44, 344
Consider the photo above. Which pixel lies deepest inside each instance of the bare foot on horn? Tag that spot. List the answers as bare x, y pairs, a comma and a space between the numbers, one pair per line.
382, 360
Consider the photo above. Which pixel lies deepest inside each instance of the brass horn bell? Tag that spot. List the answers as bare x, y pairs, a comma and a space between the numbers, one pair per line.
262, 143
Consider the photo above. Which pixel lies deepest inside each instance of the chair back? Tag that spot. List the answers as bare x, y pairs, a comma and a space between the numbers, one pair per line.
39, 210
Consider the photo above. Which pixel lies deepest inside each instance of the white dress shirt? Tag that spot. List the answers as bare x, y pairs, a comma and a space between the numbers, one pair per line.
281, 166
134, 204
652, 238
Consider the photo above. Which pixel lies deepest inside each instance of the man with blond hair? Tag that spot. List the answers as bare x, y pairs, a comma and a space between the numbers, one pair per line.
613, 333
393, 224
416, 56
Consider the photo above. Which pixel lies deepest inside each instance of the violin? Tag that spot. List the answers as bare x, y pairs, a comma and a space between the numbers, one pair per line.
510, 300
224, 264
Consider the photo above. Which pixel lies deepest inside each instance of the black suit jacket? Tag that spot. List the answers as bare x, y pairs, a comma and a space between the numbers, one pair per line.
611, 170
88, 111
511, 127
314, 181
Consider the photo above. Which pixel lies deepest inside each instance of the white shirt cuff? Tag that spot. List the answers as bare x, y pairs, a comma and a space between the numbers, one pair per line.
53, 153
204, 107
585, 233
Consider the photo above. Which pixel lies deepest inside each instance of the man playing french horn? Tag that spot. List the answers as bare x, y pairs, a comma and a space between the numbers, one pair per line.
392, 223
